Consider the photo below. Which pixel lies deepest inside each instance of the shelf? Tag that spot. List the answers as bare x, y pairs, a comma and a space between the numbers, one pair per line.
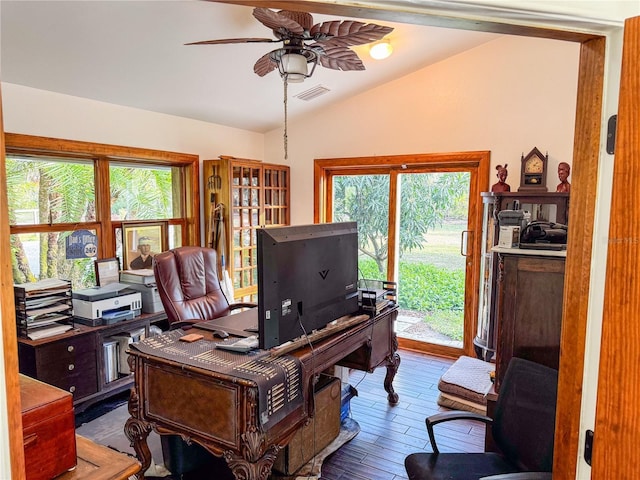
44, 308
530, 252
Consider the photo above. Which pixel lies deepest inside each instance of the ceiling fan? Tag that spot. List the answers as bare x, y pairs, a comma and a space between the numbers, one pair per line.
304, 43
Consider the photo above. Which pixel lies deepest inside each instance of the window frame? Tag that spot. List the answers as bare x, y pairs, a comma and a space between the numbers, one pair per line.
102, 155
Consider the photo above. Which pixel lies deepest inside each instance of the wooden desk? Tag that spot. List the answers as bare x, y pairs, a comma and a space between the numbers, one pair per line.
97, 462
221, 413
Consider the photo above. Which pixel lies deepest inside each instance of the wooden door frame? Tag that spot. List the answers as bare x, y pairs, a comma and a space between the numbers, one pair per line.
9, 331
585, 168
477, 163
617, 420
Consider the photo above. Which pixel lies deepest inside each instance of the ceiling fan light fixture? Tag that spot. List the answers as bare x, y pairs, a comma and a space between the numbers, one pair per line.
381, 50
294, 66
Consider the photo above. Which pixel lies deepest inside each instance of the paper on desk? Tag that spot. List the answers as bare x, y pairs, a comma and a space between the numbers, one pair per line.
45, 284
41, 302
143, 272
48, 331
43, 311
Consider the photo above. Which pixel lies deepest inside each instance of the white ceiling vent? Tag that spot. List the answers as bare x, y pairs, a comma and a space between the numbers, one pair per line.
312, 93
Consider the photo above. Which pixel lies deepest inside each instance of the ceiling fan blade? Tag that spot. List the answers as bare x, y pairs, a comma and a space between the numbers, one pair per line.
349, 32
337, 57
304, 19
234, 40
264, 65
277, 22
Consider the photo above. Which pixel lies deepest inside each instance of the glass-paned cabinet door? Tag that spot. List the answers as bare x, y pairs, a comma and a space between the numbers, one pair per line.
484, 342
276, 195
254, 195
246, 185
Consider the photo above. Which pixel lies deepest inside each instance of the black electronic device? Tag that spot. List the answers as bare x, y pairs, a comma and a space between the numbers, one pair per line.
549, 235
376, 295
220, 333
307, 277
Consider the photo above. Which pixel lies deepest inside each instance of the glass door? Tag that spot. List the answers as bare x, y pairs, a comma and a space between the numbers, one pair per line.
416, 225
432, 262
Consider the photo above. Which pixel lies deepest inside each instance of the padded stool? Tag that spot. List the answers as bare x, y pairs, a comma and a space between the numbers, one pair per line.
465, 385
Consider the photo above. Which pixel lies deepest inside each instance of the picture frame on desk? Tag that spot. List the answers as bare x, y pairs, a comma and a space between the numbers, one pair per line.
107, 271
141, 241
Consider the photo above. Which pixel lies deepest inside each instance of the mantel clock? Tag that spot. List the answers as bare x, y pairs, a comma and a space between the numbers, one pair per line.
533, 172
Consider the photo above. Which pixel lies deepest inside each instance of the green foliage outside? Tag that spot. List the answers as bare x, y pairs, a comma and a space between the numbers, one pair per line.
427, 199
427, 288
431, 269
436, 292
58, 191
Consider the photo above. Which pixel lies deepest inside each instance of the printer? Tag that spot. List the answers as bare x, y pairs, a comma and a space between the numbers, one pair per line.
151, 302
106, 305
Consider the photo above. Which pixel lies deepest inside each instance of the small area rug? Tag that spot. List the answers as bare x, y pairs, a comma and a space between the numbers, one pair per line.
101, 408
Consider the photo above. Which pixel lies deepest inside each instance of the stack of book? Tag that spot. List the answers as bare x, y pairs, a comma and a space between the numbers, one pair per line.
43, 308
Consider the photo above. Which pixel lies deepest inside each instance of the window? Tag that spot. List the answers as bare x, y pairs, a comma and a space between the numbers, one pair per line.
68, 201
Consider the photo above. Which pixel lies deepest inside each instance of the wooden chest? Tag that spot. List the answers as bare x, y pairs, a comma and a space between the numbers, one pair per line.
325, 426
48, 425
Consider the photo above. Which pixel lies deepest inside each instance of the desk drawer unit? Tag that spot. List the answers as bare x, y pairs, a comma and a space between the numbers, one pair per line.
209, 407
69, 364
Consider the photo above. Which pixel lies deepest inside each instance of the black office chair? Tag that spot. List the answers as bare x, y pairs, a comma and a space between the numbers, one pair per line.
523, 429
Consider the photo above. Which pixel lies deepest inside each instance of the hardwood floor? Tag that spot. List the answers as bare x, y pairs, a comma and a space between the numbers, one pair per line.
390, 433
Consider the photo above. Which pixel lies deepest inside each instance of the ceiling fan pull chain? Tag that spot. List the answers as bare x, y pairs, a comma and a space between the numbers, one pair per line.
286, 142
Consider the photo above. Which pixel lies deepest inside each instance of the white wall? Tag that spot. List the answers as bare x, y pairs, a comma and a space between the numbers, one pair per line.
506, 96
38, 112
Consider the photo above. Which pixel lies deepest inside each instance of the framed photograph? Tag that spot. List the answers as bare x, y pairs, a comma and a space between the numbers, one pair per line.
140, 242
107, 271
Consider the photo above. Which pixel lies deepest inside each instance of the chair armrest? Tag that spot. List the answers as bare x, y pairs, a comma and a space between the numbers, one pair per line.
235, 306
520, 476
184, 324
433, 420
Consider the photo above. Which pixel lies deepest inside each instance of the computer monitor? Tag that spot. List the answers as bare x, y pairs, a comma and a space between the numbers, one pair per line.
307, 277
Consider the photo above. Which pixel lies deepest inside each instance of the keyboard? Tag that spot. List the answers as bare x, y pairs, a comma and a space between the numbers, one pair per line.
243, 345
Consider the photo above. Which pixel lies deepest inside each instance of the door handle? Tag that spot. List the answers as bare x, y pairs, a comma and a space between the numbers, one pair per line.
464, 240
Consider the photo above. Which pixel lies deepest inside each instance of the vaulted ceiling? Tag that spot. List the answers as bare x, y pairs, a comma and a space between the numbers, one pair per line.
132, 53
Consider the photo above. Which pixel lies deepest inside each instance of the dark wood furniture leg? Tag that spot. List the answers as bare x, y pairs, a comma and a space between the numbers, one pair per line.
393, 363
254, 464
137, 432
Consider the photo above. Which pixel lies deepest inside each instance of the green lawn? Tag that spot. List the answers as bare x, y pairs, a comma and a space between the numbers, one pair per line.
441, 248
432, 280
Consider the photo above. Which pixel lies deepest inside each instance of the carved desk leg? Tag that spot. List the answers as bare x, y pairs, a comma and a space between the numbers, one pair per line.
393, 362
255, 462
137, 432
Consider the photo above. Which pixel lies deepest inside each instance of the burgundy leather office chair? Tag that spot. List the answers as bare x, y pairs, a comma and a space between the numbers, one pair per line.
189, 287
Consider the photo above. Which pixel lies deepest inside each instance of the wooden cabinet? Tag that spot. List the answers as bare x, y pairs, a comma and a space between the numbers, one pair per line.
529, 313
67, 361
552, 207
74, 361
250, 194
